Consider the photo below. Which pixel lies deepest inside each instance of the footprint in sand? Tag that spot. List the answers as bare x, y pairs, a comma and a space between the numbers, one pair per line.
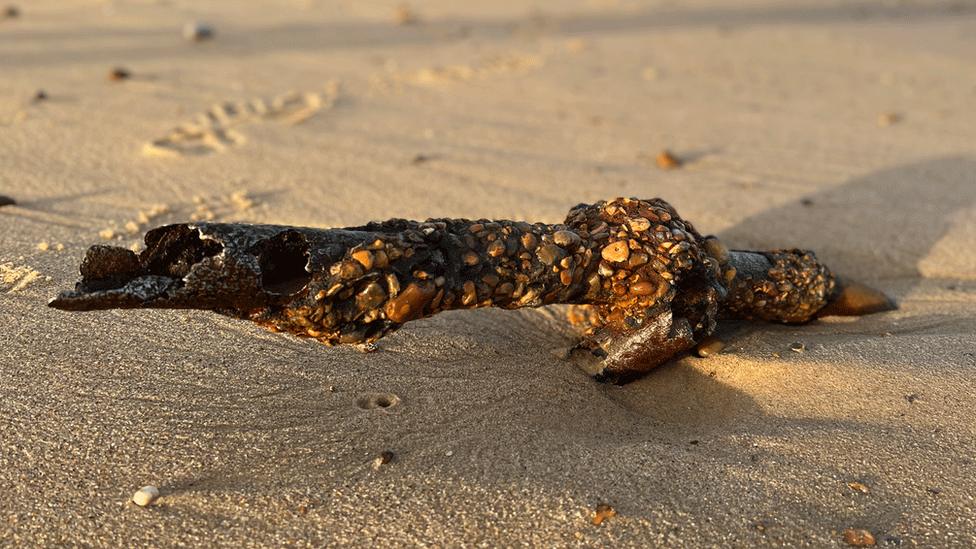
14, 278
484, 68
235, 206
372, 401
214, 130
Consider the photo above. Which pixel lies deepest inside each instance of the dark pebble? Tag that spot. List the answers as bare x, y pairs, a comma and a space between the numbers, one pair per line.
119, 73
7, 201
421, 159
196, 31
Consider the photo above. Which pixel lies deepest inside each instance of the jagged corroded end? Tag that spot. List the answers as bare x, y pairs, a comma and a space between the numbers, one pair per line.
135, 293
855, 299
182, 267
113, 277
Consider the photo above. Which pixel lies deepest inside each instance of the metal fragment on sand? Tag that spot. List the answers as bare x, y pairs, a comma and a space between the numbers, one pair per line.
658, 286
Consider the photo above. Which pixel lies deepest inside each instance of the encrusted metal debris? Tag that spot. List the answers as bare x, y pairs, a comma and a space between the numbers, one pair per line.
656, 286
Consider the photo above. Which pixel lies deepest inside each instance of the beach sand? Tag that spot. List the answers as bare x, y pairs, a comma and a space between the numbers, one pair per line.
843, 127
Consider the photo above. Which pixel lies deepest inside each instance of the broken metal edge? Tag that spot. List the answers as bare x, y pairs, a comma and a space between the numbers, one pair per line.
220, 267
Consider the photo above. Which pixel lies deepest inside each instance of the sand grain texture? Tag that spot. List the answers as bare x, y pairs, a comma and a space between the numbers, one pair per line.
256, 439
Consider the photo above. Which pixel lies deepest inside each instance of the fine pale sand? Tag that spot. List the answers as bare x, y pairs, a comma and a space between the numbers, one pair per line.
847, 127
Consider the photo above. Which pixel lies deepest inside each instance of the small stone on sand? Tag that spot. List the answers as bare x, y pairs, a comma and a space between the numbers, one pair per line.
886, 119
7, 201
39, 95
145, 496
858, 487
709, 346
368, 347
667, 161
11, 12
797, 347
602, 513
196, 31
404, 15
857, 537
119, 73
857, 299
385, 457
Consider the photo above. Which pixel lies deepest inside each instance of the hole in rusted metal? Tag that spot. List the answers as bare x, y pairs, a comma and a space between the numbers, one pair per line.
283, 261
172, 251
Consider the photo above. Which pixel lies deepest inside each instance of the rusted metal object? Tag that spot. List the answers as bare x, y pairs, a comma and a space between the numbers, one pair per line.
656, 285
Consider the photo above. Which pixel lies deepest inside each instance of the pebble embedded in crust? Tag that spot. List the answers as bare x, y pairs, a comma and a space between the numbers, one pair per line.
857, 537
145, 496
617, 252
797, 347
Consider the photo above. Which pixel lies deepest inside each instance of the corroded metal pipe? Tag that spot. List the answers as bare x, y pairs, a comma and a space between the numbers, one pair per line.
656, 284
